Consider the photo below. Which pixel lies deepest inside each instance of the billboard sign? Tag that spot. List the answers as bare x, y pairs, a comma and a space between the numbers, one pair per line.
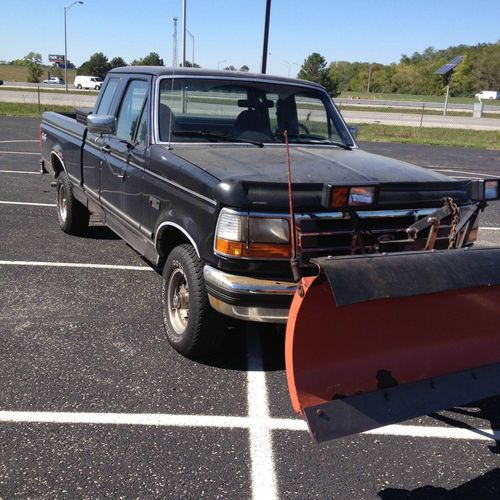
56, 58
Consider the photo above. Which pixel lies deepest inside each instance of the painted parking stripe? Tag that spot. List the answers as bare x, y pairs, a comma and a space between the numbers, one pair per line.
17, 153
438, 169
234, 422
486, 228
26, 203
73, 264
261, 449
18, 172
19, 140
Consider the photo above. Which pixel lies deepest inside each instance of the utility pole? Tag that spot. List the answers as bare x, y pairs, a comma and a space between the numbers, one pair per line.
369, 78
183, 33
266, 37
174, 50
66, 44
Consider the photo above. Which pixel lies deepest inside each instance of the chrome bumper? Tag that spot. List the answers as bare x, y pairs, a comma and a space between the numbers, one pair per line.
249, 299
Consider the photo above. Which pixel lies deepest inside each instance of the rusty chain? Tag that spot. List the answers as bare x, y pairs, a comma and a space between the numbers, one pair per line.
454, 222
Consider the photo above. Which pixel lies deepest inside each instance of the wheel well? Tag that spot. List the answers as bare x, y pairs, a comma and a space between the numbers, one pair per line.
168, 239
56, 165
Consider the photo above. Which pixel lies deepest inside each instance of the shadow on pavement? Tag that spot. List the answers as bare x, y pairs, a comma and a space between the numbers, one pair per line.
484, 487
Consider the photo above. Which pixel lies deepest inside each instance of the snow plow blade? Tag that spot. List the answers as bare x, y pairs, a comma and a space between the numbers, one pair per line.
374, 340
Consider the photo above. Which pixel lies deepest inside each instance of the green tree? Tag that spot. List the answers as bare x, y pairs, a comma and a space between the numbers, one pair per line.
117, 62
314, 69
190, 65
152, 59
97, 65
33, 61
245, 68
230, 68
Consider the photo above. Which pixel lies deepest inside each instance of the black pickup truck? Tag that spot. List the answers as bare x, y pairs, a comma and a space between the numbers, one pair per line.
190, 168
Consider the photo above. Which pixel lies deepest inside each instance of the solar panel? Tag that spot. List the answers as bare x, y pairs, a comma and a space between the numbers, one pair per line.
445, 69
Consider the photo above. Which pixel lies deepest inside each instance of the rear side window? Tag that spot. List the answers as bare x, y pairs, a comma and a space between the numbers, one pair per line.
107, 97
130, 109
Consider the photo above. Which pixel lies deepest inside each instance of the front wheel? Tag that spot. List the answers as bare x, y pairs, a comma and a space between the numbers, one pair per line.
193, 328
73, 217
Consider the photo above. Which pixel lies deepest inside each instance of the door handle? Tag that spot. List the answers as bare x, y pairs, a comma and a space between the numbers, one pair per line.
106, 148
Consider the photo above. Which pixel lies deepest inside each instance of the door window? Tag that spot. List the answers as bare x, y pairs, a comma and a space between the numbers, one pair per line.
107, 97
130, 109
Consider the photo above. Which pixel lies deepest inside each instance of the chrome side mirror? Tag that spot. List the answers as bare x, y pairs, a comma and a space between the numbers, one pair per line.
101, 124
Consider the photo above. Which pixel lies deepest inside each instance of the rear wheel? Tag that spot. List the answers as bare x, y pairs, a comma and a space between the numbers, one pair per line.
78, 86
73, 217
193, 328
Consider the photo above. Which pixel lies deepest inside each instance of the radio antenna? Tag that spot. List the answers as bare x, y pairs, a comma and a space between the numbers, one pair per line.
294, 263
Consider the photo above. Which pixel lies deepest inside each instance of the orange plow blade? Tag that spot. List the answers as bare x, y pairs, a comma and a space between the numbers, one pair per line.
374, 340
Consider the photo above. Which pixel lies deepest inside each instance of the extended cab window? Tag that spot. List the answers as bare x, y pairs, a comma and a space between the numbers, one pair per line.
130, 109
107, 97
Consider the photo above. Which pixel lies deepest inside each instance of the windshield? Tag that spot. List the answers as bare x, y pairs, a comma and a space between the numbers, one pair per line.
200, 110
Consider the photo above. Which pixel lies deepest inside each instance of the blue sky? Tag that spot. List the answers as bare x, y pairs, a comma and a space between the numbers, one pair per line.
231, 30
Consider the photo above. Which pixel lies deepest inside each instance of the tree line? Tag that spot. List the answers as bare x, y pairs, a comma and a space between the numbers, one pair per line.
97, 65
415, 74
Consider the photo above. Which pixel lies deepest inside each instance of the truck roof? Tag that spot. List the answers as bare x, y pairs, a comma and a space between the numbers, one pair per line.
168, 71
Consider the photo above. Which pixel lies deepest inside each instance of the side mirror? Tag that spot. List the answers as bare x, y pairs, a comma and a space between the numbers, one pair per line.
101, 124
354, 130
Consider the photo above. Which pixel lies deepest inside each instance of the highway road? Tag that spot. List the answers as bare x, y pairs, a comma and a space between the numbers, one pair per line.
358, 117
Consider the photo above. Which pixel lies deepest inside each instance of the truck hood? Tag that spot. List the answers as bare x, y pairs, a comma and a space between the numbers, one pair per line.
309, 164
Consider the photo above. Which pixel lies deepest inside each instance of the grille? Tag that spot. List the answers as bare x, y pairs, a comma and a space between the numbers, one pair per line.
335, 233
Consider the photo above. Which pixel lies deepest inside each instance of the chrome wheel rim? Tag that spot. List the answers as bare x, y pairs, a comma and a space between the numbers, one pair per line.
62, 203
178, 300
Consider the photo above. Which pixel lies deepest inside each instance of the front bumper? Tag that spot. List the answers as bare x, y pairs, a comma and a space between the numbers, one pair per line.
249, 299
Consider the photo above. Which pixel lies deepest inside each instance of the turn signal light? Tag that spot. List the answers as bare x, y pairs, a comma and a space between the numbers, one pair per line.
232, 248
253, 250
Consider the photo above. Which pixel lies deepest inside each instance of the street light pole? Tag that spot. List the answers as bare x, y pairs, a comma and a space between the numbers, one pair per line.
266, 37
66, 44
192, 39
183, 33
220, 62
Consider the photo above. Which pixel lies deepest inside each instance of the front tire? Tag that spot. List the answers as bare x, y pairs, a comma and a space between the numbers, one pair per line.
73, 217
193, 328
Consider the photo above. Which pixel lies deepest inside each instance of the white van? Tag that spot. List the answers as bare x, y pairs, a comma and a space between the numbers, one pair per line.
87, 82
488, 94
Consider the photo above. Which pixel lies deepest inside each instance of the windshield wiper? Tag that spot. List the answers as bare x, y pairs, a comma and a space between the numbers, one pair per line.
323, 141
211, 135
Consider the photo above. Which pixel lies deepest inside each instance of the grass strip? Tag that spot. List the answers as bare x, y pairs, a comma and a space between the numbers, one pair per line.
31, 110
479, 139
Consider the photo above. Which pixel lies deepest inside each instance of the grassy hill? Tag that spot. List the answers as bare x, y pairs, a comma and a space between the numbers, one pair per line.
19, 73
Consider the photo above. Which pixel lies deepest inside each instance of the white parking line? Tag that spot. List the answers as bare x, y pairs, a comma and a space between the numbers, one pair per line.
485, 228
17, 153
72, 264
234, 422
19, 140
261, 448
18, 172
28, 203
438, 169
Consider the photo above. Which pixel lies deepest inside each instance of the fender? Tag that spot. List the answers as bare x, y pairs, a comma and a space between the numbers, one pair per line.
162, 226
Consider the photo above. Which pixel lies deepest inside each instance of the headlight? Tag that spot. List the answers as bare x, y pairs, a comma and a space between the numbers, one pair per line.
252, 237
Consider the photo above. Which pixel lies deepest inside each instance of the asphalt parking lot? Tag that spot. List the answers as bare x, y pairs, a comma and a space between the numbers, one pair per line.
94, 403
